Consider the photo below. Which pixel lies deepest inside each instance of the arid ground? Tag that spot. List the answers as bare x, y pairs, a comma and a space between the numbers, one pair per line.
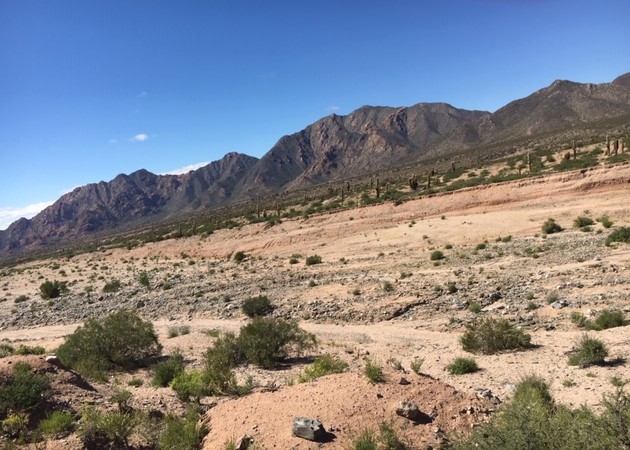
375, 294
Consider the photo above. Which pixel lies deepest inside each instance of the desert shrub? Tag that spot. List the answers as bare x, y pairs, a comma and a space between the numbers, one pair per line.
388, 286
21, 299
51, 289
267, 341
578, 319
590, 352
324, 365
373, 372
474, 308
143, 279
164, 372
489, 336
220, 361
416, 365
366, 440
57, 424
616, 416
532, 420
621, 234
23, 390
182, 433
582, 221
608, 318
313, 259
191, 385
257, 306
121, 340
461, 366
122, 398
15, 426
179, 330
389, 439
6, 350
436, 255
99, 429
30, 350
112, 286
239, 257
550, 226
533, 389
605, 221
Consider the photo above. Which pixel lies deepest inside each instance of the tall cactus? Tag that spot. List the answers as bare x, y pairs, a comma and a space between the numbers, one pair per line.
378, 188
529, 163
413, 183
607, 145
616, 146
574, 150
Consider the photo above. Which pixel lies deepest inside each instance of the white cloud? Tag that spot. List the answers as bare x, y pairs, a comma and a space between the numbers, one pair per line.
140, 137
333, 108
10, 215
185, 169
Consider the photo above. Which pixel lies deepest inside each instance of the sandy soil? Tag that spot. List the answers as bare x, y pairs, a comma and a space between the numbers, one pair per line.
404, 236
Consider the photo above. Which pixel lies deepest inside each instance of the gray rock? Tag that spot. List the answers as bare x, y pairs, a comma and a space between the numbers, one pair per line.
409, 410
309, 429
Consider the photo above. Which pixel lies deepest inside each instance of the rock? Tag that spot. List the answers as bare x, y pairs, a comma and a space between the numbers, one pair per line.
244, 443
409, 410
403, 381
53, 360
309, 429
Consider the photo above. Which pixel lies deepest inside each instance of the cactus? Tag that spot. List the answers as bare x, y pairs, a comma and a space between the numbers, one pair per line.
429, 179
342, 194
607, 145
378, 188
258, 209
371, 183
348, 186
413, 183
616, 146
453, 166
194, 227
574, 150
529, 163
622, 145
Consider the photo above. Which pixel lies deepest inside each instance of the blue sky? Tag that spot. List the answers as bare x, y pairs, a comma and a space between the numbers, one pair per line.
91, 89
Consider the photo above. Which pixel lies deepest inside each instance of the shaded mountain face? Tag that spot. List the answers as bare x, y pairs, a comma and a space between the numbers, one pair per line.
126, 200
366, 140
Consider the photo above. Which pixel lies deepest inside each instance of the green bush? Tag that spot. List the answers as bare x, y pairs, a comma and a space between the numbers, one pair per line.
143, 279
220, 361
608, 318
121, 340
367, 440
164, 372
582, 221
373, 372
605, 221
590, 352
182, 433
52, 289
436, 255
239, 257
6, 350
178, 330
30, 350
23, 390
388, 286
489, 336
324, 365
99, 429
57, 424
191, 385
267, 341
257, 306
550, 226
313, 259
112, 286
621, 234
532, 420
579, 319
461, 366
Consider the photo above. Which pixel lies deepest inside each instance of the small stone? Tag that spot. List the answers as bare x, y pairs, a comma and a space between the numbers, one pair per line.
403, 381
245, 442
409, 410
309, 429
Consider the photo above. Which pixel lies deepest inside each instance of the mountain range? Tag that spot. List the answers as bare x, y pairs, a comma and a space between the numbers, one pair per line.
369, 139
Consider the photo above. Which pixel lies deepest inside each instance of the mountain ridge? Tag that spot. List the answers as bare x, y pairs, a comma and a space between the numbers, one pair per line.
368, 139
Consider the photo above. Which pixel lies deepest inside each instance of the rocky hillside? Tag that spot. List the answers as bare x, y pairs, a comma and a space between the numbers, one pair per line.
368, 139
